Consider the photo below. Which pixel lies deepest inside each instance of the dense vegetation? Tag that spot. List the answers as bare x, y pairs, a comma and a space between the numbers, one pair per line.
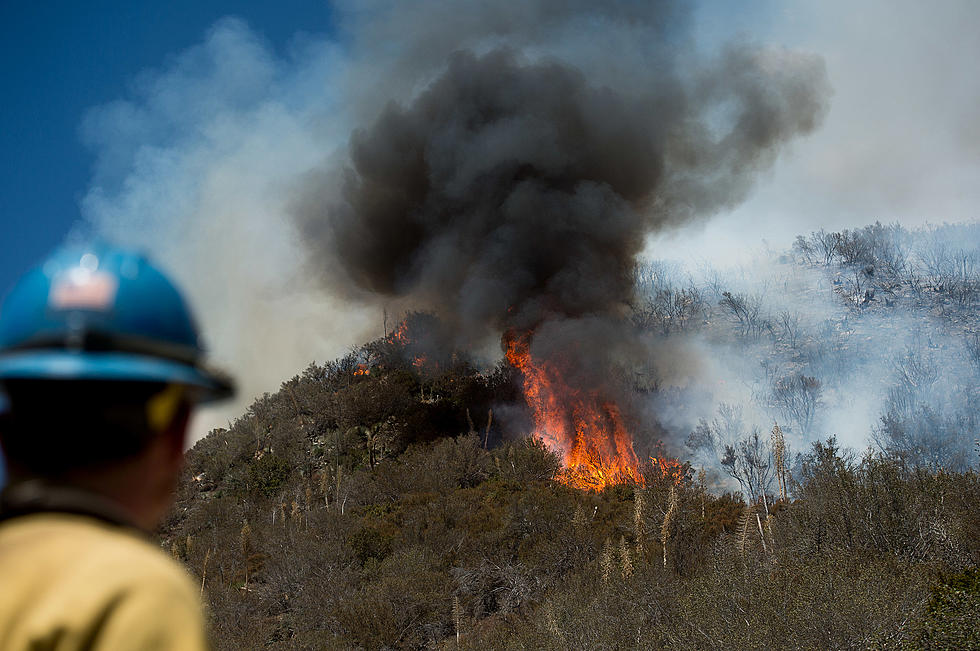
379, 502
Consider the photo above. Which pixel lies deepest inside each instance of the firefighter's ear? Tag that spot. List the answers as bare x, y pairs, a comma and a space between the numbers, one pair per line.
176, 432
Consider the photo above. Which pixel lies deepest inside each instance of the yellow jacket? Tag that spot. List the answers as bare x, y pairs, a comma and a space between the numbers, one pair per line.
72, 582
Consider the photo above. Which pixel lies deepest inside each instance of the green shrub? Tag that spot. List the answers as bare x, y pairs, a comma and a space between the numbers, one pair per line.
267, 474
951, 619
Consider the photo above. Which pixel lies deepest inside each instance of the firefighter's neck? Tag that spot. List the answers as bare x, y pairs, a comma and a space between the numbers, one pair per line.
142, 486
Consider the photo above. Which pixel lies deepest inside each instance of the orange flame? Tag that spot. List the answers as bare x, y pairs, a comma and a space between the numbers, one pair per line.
582, 427
362, 369
400, 337
400, 334
669, 469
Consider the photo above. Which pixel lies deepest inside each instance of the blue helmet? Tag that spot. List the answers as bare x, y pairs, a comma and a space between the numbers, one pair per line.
102, 313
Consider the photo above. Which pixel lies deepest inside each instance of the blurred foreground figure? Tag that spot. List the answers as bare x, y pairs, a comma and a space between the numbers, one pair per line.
101, 366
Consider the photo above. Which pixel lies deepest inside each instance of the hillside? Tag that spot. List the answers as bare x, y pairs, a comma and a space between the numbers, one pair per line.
391, 499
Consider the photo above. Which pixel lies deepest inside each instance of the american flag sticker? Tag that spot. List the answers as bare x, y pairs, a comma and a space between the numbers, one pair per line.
81, 289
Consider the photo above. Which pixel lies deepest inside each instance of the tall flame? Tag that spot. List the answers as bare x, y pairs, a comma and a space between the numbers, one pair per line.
583, 427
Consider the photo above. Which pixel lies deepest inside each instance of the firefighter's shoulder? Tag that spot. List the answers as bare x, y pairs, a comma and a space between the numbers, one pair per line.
73, 582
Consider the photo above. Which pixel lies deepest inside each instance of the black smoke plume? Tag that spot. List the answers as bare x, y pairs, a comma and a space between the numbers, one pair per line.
514, 192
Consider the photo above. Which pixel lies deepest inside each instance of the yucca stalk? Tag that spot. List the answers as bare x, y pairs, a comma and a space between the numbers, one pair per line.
669, 516
606, 561
702, 490
340, 471
245, 540
625, 562
743, 528
486, 435
762, 536
638, 533
204, 571
457, 618
779, 456
325, 487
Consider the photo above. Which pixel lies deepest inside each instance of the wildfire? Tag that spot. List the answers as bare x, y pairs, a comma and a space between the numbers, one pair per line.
583, 427
400, 334
671, 469
362, 369
401, 337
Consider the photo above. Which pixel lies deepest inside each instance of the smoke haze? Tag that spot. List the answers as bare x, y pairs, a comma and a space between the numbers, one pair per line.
502, 163
901, 139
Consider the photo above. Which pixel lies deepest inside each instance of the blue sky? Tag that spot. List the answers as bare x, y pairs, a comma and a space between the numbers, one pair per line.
57, 60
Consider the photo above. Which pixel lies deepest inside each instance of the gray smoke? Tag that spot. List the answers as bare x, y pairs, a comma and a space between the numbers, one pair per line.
517, 188
508, 161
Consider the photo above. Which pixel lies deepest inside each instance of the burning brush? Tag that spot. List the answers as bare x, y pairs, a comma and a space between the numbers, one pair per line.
514, 190
583, 426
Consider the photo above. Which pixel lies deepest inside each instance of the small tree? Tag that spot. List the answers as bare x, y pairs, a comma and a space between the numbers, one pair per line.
750, 463
790, 327
746, 312
798, 397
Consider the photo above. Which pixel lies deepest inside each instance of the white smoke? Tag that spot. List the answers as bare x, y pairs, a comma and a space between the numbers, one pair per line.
197, 167
901, 141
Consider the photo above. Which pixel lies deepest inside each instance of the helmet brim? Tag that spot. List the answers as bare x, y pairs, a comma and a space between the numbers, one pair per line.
206, 385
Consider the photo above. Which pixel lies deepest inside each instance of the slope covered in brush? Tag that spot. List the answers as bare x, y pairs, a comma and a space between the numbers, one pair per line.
451, 542
391, 499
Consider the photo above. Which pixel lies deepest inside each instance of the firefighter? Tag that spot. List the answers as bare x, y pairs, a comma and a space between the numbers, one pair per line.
101, 367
